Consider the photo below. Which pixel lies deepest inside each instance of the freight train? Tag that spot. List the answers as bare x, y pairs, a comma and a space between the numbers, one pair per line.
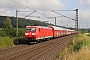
40, 33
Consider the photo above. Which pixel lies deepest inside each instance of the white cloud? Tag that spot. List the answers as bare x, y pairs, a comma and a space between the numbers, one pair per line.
8, 7
84, 2
51, 4
84, 18
33, 4
84, 14
5, 12
81, 2
88, 2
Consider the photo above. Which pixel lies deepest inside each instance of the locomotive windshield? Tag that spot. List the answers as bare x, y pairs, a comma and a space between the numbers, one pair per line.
30, 29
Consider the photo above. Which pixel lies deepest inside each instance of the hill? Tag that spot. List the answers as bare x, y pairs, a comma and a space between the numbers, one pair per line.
22, 22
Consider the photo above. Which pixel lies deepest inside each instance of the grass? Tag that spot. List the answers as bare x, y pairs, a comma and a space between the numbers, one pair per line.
88, 35
6, 42
82, 54
79, 49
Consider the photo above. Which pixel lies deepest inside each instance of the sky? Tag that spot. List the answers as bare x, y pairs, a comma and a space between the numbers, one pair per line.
44, 9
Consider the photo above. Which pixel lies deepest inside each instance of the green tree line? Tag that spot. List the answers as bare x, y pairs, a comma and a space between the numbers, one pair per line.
22, 22
9, 30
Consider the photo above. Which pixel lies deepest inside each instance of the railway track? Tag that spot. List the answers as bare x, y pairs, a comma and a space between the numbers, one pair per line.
53, 53
31, 52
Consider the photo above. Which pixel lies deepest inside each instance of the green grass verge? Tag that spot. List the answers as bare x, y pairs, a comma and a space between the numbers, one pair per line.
6, 42
74, 49
88, 35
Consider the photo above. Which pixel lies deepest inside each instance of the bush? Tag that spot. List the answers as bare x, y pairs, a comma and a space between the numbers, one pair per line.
80, 35
5, 42
79, 45
3, 33
88, 35
19, 41
21, 32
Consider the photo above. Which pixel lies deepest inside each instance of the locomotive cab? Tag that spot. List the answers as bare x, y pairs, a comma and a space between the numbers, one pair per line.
30, 33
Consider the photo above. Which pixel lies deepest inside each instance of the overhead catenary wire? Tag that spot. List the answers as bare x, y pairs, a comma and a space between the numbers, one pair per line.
63, 15
21, 4
30, 14
64, 10
40, 12
27, 7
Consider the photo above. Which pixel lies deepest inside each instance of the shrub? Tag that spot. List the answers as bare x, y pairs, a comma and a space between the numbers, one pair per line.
3, 33
88, 35
21, 32
5, 42
81, 44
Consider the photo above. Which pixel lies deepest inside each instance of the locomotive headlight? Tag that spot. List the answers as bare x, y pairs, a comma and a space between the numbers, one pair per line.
33, 33
26, 33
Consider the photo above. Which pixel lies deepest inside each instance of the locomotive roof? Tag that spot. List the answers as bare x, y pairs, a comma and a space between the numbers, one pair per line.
32, 26
39, 27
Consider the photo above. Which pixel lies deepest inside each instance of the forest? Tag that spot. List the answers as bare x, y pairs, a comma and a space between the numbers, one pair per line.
22, 22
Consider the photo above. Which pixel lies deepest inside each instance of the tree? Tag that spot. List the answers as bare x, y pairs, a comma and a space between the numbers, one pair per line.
8, 26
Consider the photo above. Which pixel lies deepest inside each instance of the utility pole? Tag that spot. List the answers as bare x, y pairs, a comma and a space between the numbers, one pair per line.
17, 24
17, 20
67, 25
54, 18
76, 19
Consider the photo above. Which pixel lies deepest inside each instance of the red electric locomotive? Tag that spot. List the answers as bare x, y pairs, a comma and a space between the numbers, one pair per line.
37, 33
